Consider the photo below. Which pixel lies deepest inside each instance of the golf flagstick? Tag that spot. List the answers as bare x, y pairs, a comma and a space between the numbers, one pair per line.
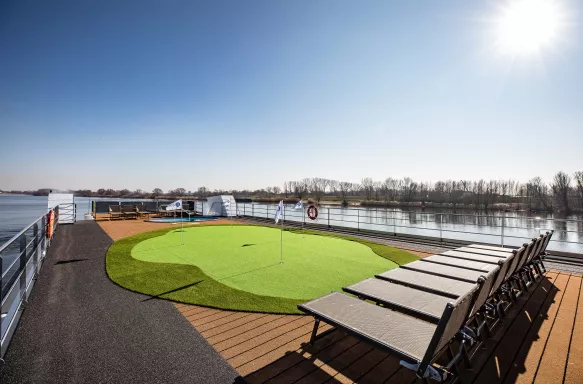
281, 237
303, 219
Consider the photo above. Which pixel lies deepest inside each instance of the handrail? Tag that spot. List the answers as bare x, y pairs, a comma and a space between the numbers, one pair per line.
15, 237
17, 280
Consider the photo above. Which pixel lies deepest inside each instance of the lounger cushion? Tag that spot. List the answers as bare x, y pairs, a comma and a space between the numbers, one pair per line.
487, 252
436, 284
453, 272
472, 256
394, 330
397, 295
462, 263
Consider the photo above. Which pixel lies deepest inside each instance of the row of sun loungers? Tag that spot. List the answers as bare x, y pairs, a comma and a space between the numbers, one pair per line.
435, 312
127, 212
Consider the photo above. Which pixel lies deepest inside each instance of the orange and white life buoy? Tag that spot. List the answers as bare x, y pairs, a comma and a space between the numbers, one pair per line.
312, 212
50, 223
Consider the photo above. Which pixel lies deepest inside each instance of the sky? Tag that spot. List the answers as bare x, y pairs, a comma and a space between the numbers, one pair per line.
247, 94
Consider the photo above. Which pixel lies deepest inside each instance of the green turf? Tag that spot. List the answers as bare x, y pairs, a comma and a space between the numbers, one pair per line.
237, 267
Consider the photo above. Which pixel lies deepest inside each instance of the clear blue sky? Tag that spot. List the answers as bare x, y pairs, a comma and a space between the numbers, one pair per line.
245, 94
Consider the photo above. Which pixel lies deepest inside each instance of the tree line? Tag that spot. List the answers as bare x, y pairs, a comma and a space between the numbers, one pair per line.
563, 193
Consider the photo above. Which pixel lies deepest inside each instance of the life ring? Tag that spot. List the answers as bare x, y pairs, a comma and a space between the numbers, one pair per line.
312, 212
50, 223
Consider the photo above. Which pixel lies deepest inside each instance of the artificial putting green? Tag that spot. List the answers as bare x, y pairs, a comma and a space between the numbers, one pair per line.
237, 267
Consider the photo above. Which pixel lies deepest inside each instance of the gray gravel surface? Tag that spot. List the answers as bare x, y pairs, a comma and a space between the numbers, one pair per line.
79, 327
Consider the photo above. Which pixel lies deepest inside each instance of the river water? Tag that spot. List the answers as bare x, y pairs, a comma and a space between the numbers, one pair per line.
510, 228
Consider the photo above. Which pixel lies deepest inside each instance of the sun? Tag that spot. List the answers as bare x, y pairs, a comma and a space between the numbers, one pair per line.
526, 27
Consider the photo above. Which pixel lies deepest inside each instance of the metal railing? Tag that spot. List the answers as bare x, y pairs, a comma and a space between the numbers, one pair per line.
21, 258
506, 230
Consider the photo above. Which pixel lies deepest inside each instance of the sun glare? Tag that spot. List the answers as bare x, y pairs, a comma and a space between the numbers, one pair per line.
524, 27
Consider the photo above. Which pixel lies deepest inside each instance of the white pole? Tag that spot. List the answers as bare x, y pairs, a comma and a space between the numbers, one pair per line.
281, 239
182, 227
303, 219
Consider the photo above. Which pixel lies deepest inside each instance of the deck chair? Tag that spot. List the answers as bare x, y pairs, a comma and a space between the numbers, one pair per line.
416, 341
530, 266
474, 265
141, 212
491, 247
128, 211
449, 271
471, 256
434, 284
115, 212
495, 307
487, 252
515, 284
538, 259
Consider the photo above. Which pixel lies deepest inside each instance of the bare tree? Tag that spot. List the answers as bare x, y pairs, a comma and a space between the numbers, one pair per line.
409, 189
367, 187
318, 187
333, 185
202, 191
561, 186
344, 187
579, 182
539, 190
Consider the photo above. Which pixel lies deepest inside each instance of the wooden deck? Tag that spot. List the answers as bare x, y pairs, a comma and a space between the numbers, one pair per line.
541, 341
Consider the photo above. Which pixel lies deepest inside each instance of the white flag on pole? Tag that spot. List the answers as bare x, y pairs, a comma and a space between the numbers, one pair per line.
298, 205
177, 205
279, 211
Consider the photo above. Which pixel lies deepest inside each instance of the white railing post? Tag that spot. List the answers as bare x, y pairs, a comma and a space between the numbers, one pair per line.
328, 213
358, 220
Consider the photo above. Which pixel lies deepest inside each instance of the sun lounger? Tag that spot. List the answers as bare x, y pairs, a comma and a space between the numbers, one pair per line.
449, 271
474, 265
115, 212
128, 211
487, 252
426, 282
416, 341
406, 299
471, 256
140, 212
491, 247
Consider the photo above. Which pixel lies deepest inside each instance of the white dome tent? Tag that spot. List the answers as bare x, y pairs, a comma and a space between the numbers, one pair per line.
223, 205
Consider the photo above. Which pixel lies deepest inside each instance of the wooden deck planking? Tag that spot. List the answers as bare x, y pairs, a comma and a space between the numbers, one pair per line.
500, 352
236, 327
285, 365
574, 368
272, 355
313, 361
360, 367
268, 348
334, 366
258, 336
381, 372
277, 340
532, 351
554, 358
